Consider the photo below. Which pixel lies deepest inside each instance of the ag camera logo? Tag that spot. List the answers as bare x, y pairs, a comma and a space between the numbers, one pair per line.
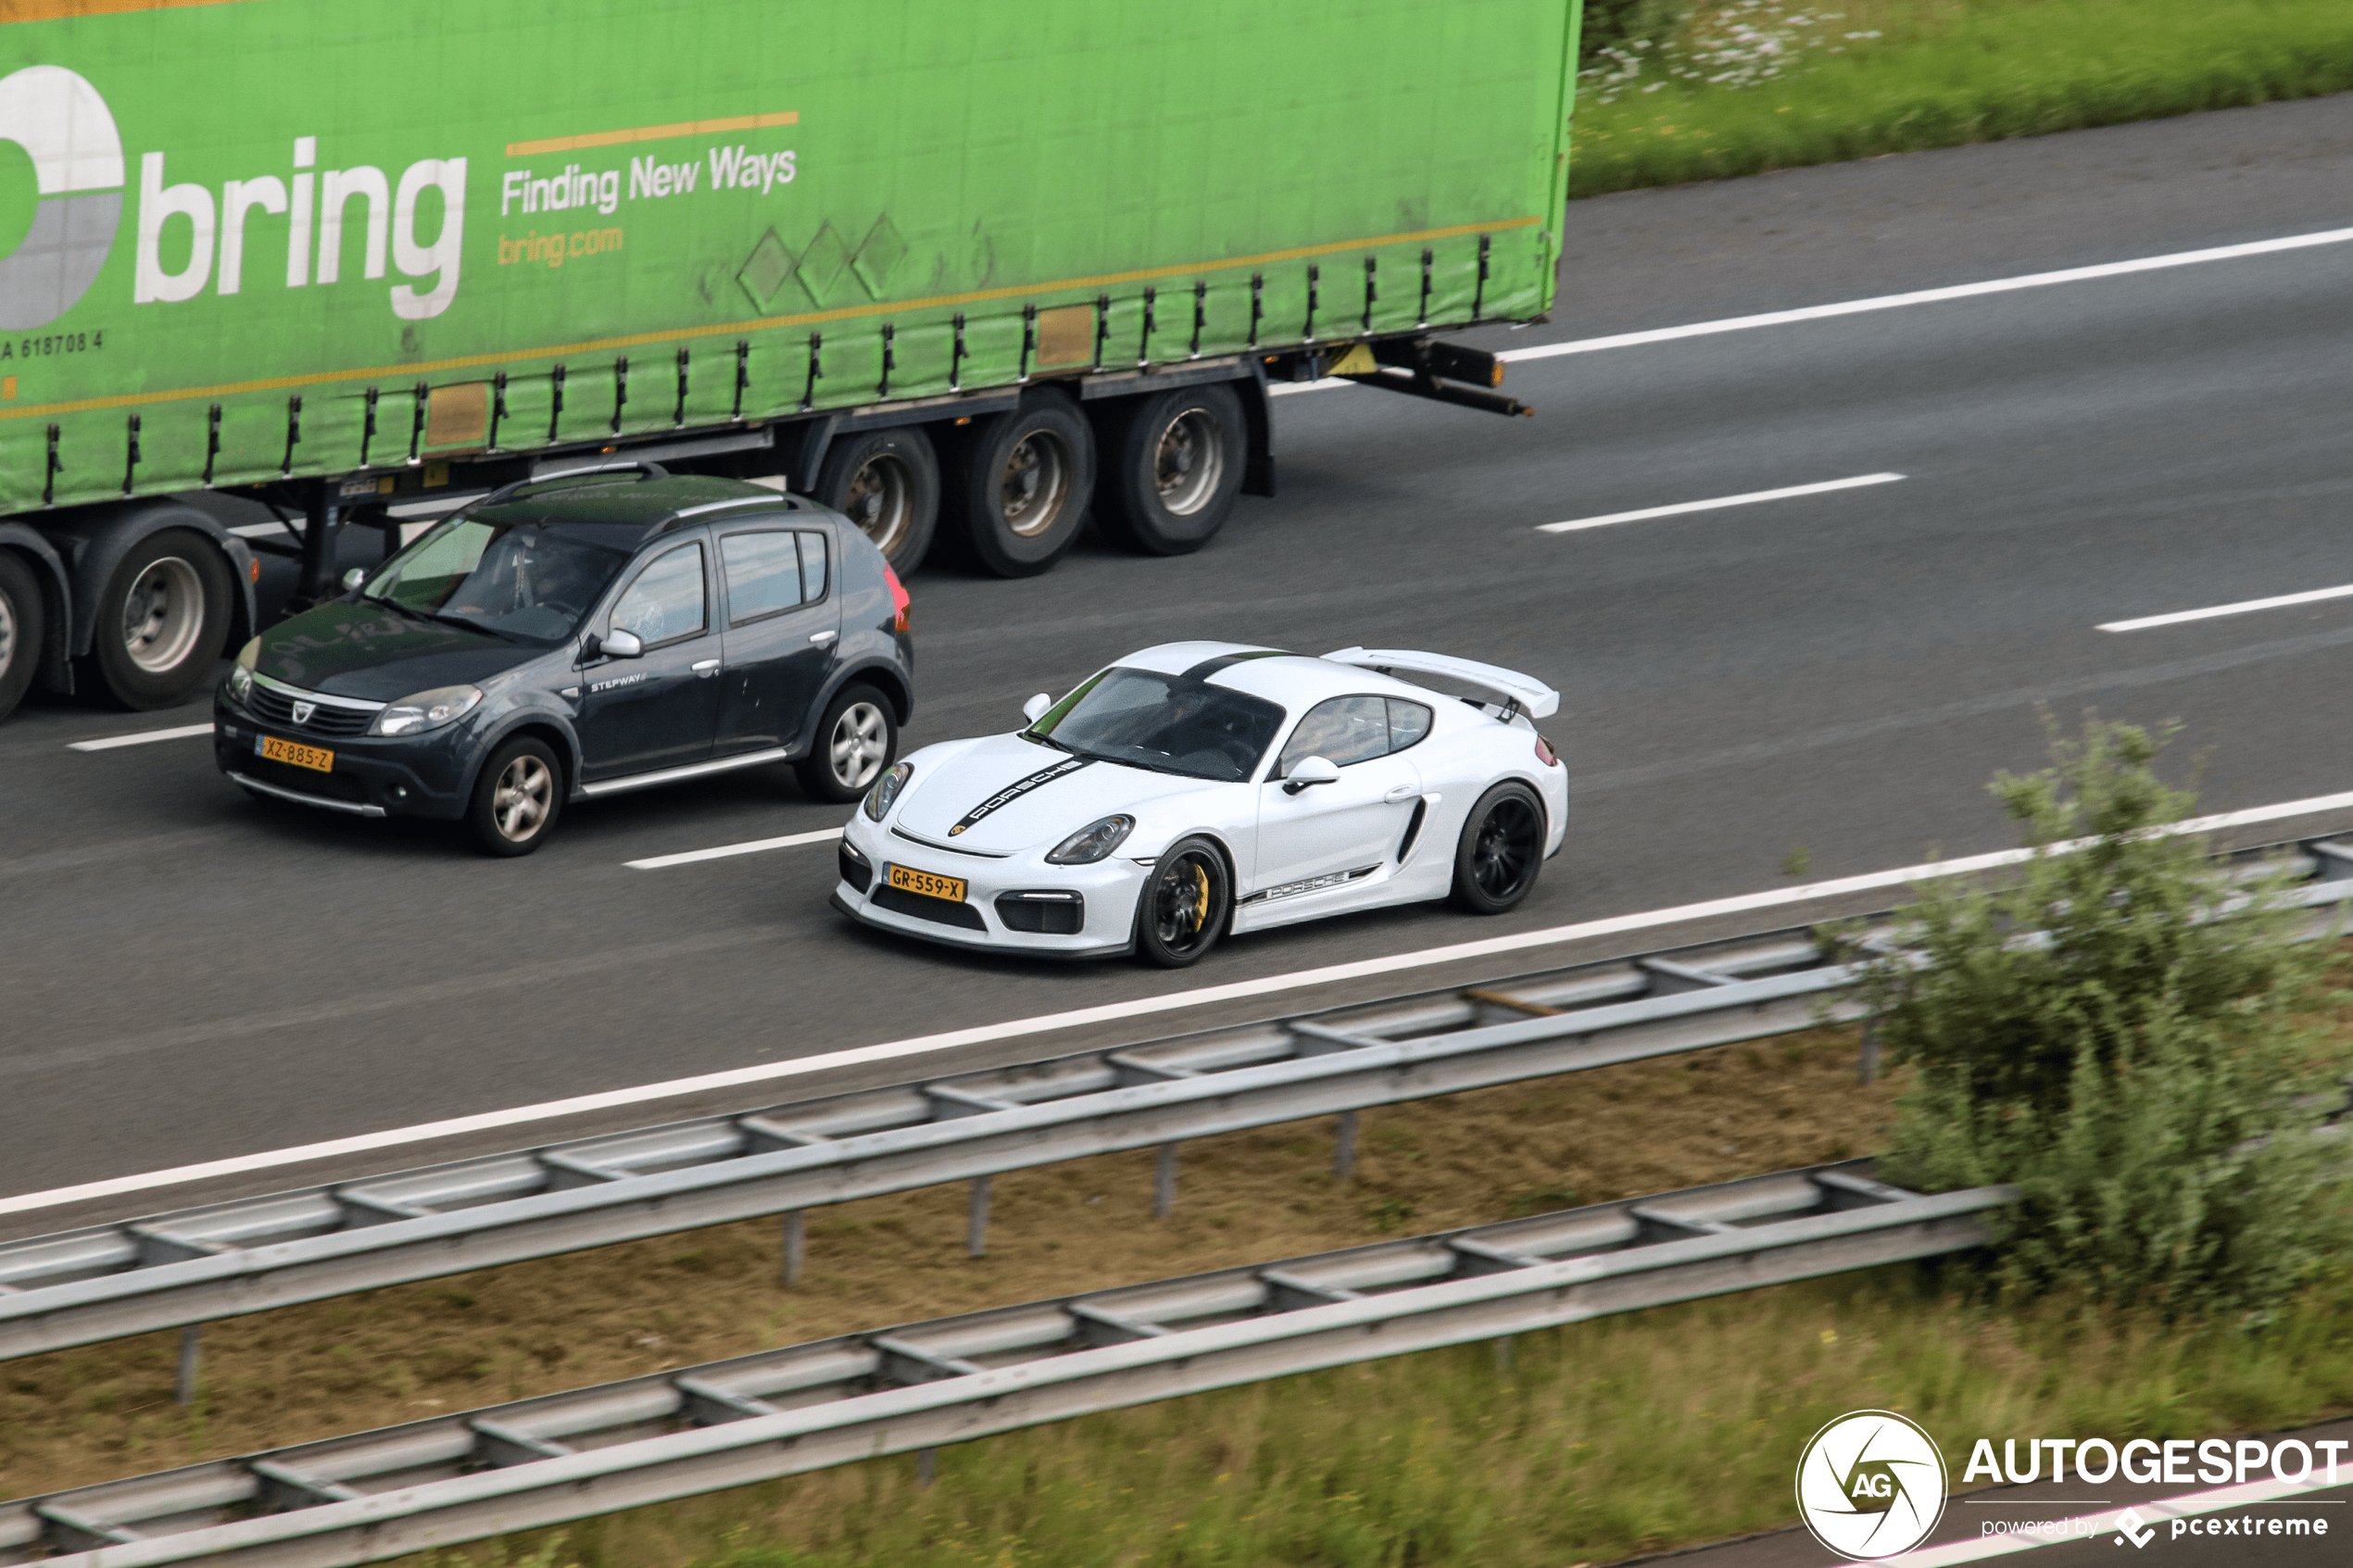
59, 118
1870, 1484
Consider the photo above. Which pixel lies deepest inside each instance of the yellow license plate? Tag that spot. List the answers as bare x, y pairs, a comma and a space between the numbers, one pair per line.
929, 885
317, 758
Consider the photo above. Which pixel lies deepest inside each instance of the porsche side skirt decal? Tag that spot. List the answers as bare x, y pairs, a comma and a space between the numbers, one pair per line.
1016, 789
1311, 884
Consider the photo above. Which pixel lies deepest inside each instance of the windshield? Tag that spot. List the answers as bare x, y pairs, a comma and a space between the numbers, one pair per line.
1163, 722
521, 580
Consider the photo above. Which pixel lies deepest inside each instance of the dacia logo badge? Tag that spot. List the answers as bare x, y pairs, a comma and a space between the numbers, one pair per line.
303, 710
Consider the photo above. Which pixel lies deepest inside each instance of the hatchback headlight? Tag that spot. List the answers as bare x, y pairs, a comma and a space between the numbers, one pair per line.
426, 710
886, 791
241, 673
1092, 842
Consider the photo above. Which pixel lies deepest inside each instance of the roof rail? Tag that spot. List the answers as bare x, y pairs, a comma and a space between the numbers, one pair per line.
649, 470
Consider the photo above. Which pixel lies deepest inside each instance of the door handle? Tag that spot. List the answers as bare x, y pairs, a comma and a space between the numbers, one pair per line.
822, 638
705, 668
1399, 795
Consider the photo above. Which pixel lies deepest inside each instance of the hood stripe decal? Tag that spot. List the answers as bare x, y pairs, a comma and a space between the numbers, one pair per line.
1018, 788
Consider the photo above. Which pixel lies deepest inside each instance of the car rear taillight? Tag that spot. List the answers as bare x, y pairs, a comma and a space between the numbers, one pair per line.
900, 602
1544, 753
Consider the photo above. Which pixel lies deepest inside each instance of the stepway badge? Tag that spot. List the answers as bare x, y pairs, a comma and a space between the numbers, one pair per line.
1870, 1484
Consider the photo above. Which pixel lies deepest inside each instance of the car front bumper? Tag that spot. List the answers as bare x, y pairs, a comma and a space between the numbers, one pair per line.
374, 776
995, 889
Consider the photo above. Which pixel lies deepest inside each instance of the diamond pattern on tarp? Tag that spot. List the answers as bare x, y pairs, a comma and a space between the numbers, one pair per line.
879, 256
822, 263
765, 270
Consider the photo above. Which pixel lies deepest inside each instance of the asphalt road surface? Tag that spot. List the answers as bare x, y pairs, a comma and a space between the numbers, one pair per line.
189, 974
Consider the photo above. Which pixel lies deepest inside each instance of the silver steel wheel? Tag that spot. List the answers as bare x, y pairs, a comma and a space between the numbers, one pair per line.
1189, 460
7, 636
163, 615
858, 745
1036, 483
520, 805
882, 500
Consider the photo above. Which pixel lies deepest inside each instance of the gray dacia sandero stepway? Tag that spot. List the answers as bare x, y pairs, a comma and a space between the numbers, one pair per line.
579, 637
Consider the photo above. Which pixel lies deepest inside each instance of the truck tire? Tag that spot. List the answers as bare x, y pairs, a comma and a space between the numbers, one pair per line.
1022, 483
162, 618
1172, 468
888, 483
22, 624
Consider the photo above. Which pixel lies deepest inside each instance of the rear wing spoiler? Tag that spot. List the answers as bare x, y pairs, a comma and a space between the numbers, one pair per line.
1525, 692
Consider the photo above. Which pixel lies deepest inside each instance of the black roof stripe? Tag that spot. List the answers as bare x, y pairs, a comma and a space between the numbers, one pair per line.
1209, 667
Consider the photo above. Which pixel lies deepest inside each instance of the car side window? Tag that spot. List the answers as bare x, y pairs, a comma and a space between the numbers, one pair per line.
763, 574
668, 600
1342, 730
1408, 722
812, 568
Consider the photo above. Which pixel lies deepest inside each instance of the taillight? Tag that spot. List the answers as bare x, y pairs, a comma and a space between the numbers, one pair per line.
900, 602
1544, 753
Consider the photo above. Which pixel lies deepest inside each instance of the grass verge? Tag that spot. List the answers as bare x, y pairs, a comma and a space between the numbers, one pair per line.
1944, 72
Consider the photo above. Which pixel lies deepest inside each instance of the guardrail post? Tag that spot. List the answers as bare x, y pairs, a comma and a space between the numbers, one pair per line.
1344, 1147
1164, 1183
976, 1220
926, 1466
1503, 1354
1866, 1059
183, 1387
796, 1235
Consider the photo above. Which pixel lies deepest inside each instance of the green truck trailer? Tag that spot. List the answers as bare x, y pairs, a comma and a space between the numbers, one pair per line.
969, 272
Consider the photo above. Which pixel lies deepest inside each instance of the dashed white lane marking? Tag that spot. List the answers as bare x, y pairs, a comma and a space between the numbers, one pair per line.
771, 1072
179, 733
750, 846
2242, 607
1890, 301
1681, 507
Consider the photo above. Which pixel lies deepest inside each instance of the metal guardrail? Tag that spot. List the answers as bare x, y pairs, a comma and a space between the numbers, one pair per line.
435, 1483
190, 1267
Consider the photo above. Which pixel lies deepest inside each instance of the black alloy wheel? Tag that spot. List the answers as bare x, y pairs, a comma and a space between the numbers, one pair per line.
1172, 468
21, 629
1502, 848
888, 483
1183, 906
1021, 484
517, 797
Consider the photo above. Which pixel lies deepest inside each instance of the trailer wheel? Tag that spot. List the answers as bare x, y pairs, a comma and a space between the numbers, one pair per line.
1172, 468
1024, 483
888, 483
21, 630
162, 619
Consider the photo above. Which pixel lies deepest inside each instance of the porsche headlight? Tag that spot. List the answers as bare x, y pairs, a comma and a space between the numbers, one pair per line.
1092, 842
886, 790
426, 710
241, 673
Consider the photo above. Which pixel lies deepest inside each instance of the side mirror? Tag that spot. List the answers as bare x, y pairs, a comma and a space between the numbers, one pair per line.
619, 643
1311, 771
1035, 708
353, 579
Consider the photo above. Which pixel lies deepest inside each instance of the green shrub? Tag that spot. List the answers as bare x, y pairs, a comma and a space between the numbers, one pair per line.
2146, 1074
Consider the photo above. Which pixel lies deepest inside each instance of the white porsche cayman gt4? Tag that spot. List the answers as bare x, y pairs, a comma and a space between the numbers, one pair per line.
1197, 788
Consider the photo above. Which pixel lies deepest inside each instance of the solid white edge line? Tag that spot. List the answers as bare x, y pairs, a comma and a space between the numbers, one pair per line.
1891, 301
2242, 608
750, 846
142, 738
1976, 1548
1140, 1006
1681, 507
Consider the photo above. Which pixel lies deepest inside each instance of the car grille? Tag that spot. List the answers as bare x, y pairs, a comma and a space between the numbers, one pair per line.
855, 871
923, 907
277, 708
1042, 915
303, 781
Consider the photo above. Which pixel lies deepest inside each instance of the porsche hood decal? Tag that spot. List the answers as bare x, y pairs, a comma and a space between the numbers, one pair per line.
1016, 789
